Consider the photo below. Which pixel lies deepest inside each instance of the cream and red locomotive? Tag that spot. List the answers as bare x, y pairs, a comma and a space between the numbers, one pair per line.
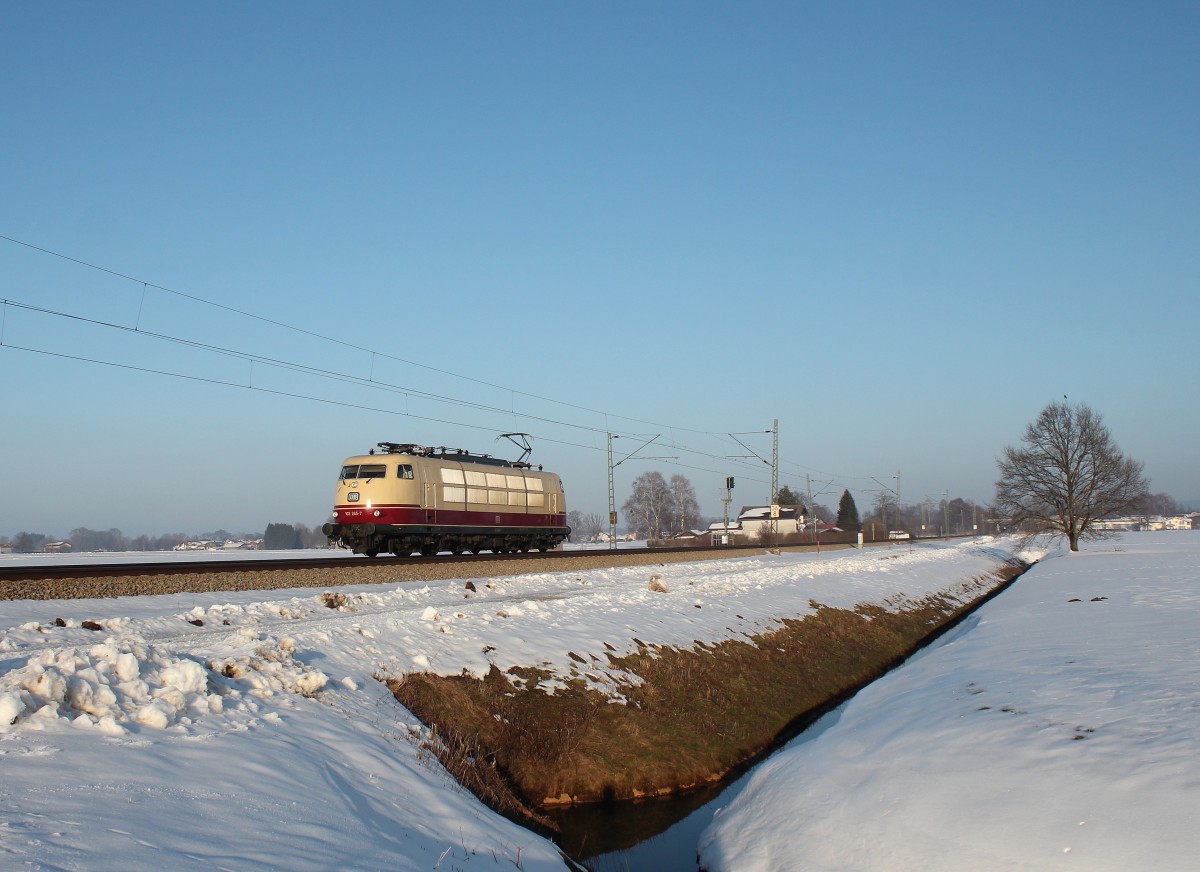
405, 499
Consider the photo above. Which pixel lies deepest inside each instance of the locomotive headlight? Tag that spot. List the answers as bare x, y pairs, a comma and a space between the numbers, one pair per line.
335, 514
377, 513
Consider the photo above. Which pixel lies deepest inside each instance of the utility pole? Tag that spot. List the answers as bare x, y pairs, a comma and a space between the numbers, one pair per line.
812, 514
808, 489
726, 500
899, 510
946, 513
774, 521
612, 500
774, 459
775, 482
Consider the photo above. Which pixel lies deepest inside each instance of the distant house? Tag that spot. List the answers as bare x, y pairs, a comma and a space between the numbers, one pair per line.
1149, 524
753, 520
56, 547
631, 536
198, 545
6, 548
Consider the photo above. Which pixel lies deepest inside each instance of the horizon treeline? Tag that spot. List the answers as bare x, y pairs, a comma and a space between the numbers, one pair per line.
283, 536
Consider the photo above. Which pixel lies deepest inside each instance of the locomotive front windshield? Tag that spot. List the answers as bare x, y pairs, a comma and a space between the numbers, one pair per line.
365, 470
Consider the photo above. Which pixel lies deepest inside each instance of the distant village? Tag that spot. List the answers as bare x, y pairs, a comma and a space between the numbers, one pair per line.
198, 545
228, 545
750, 525
755, 523
1178, 522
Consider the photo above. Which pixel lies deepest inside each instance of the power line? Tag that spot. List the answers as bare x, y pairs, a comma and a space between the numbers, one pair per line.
308, 397
320, 372
291, 365
313, 334
317, 372
275, 392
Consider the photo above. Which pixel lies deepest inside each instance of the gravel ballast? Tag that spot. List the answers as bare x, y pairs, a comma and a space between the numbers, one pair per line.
339, 572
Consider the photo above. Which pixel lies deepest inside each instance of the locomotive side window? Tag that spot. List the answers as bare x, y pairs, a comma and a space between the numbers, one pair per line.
404, 470
367, 470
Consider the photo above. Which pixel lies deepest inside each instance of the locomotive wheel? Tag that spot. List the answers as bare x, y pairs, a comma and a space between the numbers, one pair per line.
371, 552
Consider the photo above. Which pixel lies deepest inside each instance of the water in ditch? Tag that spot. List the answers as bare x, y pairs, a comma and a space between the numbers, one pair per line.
662, 834
658, 834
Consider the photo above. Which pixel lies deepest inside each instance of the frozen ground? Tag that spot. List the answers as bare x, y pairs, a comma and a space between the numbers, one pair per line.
248, 731
1056, 729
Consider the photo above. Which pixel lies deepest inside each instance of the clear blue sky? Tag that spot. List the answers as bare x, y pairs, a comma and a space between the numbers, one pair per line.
900, 229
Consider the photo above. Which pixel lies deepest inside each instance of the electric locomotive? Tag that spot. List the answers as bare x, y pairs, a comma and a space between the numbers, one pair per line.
404, 498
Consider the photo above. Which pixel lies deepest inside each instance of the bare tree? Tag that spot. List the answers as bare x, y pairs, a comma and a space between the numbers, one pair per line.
821, 512
584, 528
886, 510
83, 539
590, 527
1161, 504
649, 508
686, 506
1068, 475
574, 521
29, 543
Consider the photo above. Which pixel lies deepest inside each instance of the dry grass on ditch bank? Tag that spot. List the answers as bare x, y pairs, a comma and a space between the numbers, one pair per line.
697, 714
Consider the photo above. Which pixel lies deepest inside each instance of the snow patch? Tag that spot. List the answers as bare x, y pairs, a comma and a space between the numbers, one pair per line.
119, 683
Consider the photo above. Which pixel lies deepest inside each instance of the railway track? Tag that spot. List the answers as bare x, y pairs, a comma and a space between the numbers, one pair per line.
110, 579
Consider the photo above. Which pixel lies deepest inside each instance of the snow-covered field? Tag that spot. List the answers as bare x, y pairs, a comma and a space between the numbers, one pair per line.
1058, 728
247, 731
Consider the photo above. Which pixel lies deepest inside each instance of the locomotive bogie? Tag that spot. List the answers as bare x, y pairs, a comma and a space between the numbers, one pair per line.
410, 500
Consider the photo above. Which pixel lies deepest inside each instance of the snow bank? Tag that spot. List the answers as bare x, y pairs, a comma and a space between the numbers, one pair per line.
1056, 729
121, 682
